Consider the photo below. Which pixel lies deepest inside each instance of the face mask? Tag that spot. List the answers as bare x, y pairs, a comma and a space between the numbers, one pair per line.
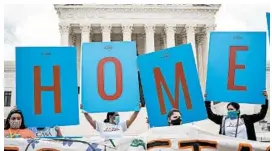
232, 114
176, 121
117, 120
15, 124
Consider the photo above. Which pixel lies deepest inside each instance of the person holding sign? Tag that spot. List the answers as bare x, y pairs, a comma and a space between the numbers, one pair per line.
236, 125
15, 126
174, 117
44, 131
111, 127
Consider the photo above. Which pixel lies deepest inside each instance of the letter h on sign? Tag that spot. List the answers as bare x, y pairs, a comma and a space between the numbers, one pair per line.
38, 89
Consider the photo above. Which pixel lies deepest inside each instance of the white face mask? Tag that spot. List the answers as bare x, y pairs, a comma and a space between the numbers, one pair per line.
15, 124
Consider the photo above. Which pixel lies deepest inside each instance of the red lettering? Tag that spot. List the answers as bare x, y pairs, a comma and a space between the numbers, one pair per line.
233, 66
197, 145
11, 148
48, 149
244, 146
38, 89
119, 78
162, 143
179, 77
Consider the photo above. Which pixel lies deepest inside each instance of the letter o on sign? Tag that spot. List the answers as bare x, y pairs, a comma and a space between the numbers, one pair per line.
100, 77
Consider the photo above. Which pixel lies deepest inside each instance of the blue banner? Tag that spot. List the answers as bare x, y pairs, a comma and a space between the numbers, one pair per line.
46, 86
236, 67
268, 24
109, 77
170, 80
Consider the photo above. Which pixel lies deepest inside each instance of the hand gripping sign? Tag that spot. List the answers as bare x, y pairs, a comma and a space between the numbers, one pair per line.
109, 77
169, 79
237, 67
46, 85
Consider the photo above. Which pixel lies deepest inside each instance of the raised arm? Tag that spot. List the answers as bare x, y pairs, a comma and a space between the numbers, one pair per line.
88, 118
261, 115
213, 117
133, 117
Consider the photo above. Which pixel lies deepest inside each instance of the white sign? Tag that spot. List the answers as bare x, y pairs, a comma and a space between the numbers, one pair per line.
182, 138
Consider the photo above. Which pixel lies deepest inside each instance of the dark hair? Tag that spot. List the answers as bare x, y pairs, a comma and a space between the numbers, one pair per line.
235, 105
7, 125
107, 120
170, 113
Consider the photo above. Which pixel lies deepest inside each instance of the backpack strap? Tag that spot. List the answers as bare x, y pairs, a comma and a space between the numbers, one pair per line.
237, 125
223, 125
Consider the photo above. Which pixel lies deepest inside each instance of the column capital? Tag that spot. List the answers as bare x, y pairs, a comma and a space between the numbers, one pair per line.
64, 28
127, 28
106, 28
150, 28
85, 28
74, 39
209, 28
190, 28
200, 39
170, 28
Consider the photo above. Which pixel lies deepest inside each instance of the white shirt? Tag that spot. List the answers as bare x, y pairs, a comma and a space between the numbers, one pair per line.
230, 128
110, 131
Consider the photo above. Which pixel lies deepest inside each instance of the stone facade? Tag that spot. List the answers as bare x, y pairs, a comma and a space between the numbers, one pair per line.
153, 27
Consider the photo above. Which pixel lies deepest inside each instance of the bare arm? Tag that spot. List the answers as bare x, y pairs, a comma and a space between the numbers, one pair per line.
132, 118
89, 118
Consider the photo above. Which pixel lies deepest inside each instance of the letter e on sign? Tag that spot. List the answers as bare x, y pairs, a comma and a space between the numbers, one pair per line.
233, 66
179, 77
119, 78
38, 89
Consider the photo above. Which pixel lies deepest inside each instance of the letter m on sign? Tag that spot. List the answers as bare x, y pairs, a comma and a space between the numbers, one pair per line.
179, 78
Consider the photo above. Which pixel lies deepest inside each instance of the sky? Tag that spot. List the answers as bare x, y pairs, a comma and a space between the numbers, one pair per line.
30, 25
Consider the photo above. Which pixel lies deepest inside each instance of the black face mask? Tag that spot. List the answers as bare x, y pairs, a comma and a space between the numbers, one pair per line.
176, 121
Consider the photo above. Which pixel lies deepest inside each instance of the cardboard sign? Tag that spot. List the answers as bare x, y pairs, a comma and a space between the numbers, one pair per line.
46, 85
169, 79
268, 24
109, 77
236, 67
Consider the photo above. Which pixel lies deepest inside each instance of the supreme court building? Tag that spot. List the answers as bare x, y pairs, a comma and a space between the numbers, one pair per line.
152, 27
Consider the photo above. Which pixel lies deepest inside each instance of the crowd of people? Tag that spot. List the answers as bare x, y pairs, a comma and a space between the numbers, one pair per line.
234, 124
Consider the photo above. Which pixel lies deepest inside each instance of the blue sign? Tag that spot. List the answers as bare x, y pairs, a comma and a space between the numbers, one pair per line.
109, 77
236, 67
170, 80
268, 24
46, 85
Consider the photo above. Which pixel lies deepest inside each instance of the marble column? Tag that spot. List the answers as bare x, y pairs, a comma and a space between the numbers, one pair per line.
149, 37
106, 33
199, 48
207, 30
190, 34
64, 32
127, 30
85, 32
170, 35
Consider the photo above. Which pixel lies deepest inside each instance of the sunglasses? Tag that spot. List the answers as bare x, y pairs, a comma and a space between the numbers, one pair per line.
14, 118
